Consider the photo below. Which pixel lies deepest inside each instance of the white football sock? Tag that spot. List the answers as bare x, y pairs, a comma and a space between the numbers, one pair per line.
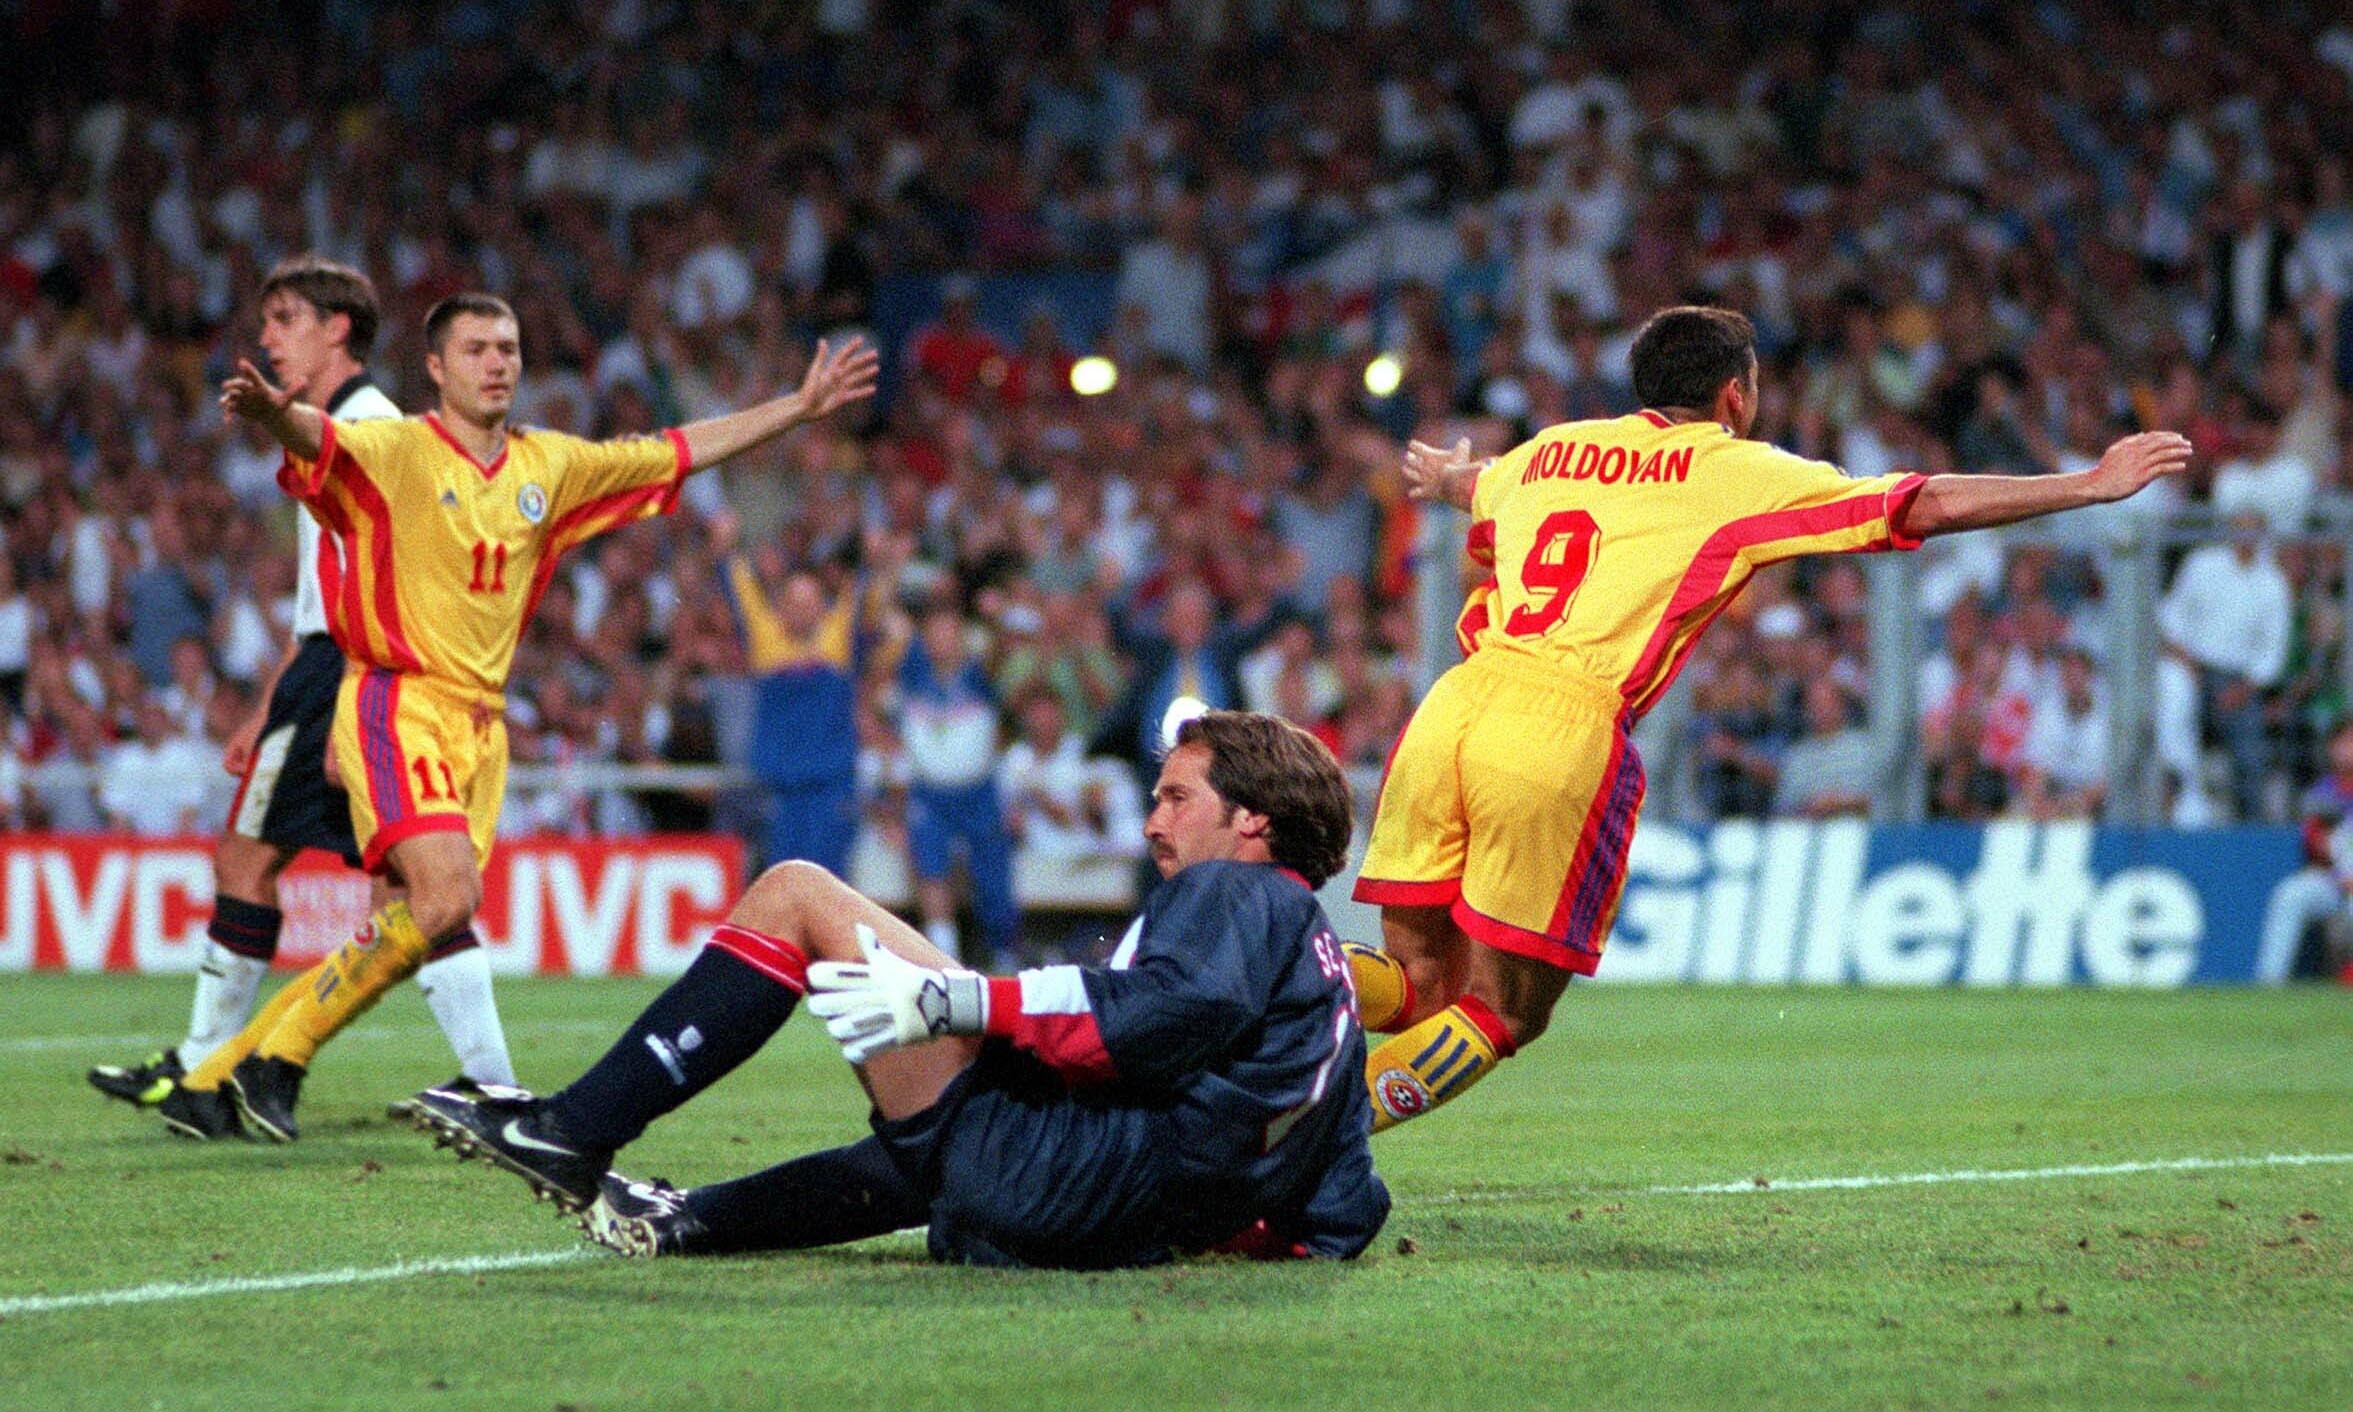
457, 987
943, 935
225, 986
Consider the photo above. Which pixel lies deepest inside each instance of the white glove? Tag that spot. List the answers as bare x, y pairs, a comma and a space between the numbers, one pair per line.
889, 1000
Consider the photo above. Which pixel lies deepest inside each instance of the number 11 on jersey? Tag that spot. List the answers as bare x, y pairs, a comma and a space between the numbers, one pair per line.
493, 559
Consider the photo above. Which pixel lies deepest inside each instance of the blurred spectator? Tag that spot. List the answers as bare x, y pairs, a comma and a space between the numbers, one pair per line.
1974, 736
1191, 654
2247, 260
956, 354
2063, 772
948, 719
2265, 476
15, 810
16, 634
1834, 770
154, 785
1290, 678
2226, 621
61, 782
187, 699
1065, 649
165, 601
1738, 740
1471, 296
808, 650
1168, 279
2321, 890
1329, 517
1999, 438
1060, 802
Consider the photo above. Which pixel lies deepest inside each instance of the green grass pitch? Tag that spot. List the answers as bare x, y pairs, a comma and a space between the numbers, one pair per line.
1535, 1258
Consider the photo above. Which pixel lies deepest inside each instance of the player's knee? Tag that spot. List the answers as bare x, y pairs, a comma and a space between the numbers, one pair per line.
1519, 991
1526, 1022
444, 901
247, 869
783, 892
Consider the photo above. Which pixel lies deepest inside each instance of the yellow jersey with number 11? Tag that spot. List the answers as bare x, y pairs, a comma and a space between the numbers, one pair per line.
444, 557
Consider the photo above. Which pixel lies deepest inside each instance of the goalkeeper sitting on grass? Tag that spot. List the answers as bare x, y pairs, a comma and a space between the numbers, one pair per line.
1197, 1093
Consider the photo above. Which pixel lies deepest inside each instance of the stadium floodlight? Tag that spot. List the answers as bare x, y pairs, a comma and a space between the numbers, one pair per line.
1384, 375
1093, 375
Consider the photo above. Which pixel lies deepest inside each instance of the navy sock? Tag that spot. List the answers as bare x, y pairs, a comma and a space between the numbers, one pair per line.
738, 992
247, 928
444, 947
825, 1198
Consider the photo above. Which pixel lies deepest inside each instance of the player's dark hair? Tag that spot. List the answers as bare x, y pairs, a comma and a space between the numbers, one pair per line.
331, 289
442, 315
1268, 766
1685, 354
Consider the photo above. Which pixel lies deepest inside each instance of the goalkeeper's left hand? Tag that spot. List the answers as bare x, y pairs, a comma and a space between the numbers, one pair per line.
888, 1000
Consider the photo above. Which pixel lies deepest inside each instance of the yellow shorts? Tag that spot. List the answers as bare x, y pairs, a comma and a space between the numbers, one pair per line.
418, 756
1510, 799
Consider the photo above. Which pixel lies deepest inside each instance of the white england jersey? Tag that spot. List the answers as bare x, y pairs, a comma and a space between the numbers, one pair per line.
358, 400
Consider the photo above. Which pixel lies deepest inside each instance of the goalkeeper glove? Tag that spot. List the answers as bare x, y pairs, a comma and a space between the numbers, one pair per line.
889, 1001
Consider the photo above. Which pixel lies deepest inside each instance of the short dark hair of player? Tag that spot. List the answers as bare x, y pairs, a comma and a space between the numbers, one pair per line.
1684, 355
331, 289
1268, 766
442, 315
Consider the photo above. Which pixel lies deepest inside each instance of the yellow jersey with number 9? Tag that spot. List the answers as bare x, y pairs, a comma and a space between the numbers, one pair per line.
1613, 543
444, 557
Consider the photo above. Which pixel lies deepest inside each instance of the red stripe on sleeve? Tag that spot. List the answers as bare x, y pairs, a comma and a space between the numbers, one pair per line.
1481, 545
1712, 567
384, 600
339, 584
1899, 500
1068, 1041
592, 519
303, 485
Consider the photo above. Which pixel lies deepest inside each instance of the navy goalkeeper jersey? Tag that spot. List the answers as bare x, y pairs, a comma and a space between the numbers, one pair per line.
1228, 1006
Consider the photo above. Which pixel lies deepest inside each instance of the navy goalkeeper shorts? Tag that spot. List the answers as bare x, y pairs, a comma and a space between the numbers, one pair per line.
1019, 1171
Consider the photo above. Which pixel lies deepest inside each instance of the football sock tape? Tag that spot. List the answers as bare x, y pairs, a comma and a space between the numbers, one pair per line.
1434, 1062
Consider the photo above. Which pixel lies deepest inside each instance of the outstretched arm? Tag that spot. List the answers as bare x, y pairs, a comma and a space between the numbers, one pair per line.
1443, 475
298, 428
1950, 504
836, 377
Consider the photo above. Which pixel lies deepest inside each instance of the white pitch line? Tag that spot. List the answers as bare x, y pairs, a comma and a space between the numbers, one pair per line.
1753, 1187
271, 1284
485, 1264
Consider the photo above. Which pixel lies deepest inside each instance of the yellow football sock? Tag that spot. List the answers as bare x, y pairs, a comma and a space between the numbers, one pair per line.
386, 951
216, 1066
1434, 1061
1384, 993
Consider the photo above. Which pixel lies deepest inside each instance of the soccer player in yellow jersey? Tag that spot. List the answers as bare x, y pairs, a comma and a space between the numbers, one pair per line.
450, 526
1499, 847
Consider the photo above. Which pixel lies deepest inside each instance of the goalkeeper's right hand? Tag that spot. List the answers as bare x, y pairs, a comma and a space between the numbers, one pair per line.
889, 1001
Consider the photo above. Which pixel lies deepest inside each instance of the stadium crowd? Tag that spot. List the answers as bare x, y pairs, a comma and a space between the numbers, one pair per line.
1991, 262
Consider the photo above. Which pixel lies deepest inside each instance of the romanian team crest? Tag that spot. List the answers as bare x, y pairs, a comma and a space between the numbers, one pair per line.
532, 501
1401, 1095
